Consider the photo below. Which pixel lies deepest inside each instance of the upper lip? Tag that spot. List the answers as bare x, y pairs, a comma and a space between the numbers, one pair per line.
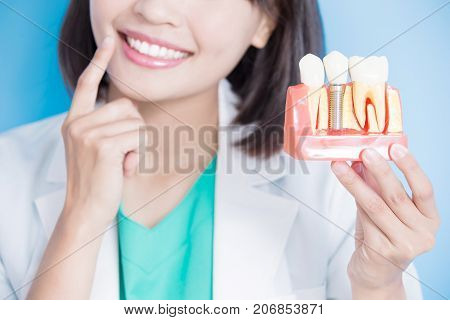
152, 40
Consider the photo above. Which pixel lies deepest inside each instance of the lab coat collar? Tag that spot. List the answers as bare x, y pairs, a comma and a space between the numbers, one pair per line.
250, 229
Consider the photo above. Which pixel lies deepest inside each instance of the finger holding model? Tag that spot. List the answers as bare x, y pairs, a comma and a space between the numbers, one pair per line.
361, 121
396, 228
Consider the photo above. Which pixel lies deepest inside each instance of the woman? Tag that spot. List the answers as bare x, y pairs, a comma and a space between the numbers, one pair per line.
92, 220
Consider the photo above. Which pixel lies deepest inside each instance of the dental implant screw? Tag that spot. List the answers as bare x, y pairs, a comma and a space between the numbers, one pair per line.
336, 106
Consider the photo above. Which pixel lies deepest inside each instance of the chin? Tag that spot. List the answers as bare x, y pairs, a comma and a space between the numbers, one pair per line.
138, 91
149, 90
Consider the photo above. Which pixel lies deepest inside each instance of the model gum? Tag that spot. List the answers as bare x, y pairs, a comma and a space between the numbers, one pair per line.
370, 111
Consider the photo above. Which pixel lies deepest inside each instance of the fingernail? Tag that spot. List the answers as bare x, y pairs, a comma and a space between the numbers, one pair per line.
108, 41
358, 168
398, 151
339, 168
371, 156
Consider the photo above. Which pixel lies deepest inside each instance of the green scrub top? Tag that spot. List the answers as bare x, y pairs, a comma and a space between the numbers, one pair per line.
172, 260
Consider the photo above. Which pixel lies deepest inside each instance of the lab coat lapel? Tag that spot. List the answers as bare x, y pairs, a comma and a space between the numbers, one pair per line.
49, 206
251, 225
250, 230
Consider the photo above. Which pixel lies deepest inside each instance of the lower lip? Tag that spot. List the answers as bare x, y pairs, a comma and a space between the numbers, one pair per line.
147, 61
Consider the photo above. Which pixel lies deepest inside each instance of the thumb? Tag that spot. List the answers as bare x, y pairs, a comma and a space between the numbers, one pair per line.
130, 164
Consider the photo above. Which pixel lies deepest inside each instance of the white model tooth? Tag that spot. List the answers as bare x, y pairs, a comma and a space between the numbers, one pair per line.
178, 55
371, 70
354, 65
129, 41
336, 66
312, 74
369, 76
384, 67
163, 52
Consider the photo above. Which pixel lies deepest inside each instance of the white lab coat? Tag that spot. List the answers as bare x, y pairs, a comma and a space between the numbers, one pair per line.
278, 234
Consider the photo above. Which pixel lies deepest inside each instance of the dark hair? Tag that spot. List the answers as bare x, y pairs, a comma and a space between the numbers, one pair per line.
260, 79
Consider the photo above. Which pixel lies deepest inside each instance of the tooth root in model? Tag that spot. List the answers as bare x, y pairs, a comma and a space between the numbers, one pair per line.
372, 126
348, 117
395, 124
312, 74
369, 76
336, 66
322, 121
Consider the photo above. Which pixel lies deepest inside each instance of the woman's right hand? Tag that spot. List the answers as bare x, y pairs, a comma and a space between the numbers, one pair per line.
101, 146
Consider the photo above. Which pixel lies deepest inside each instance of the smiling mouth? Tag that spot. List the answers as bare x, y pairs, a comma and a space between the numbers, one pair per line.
152, 49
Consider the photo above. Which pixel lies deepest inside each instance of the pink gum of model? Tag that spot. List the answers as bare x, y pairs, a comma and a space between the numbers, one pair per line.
302, 144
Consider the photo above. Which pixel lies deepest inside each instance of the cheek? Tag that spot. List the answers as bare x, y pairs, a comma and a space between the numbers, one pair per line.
103, 13
225, 35
222, 31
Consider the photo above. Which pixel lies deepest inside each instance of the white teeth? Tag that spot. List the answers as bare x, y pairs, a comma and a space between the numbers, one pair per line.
312, 72
144, 48
371, 70
154, 50
366, 98
336, 66
171, 54
369, 76
137, 45
163, 52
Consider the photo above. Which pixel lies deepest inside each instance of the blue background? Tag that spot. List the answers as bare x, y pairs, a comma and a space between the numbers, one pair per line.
31, 86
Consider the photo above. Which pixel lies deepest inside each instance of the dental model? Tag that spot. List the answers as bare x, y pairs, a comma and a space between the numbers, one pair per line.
339, 120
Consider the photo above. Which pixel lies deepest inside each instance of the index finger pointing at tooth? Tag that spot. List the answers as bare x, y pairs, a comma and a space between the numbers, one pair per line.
85, 94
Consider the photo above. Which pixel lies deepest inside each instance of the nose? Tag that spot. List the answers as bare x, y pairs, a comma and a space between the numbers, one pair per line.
159, 12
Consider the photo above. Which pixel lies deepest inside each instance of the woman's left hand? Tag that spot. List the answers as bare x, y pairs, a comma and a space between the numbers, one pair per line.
392, 228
